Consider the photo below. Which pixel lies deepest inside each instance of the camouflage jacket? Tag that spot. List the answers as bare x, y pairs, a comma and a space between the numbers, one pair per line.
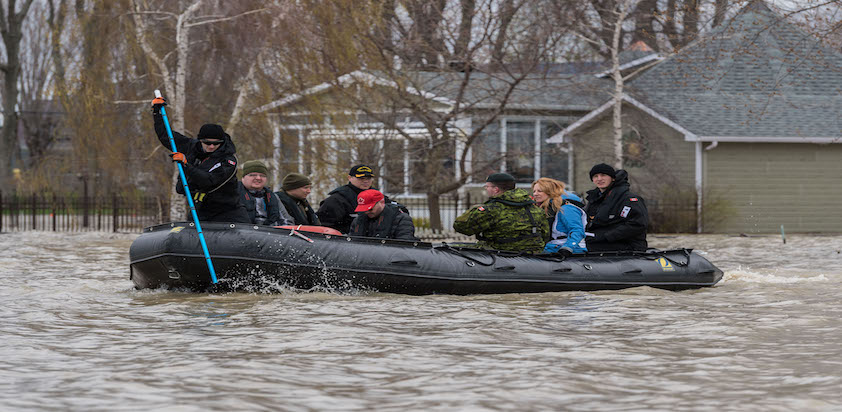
510, 221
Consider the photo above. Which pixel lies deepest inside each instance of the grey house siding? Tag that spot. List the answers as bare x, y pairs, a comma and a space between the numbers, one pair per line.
666, 168
774, 184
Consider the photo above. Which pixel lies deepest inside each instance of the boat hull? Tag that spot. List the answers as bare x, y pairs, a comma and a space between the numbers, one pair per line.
257, 258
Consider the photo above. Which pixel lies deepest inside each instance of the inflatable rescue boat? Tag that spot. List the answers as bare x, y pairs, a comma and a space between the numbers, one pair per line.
260, 258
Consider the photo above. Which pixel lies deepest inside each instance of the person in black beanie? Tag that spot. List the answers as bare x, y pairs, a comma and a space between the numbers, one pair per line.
617, 218
210, 167
337, 210
294, 191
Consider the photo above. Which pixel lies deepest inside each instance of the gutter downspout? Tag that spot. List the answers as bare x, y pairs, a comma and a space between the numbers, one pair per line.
698, 186
699, 194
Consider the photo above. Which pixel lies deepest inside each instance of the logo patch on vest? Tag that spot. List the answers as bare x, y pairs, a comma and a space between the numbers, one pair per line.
481, 209
233, 163
625, 211
633, 199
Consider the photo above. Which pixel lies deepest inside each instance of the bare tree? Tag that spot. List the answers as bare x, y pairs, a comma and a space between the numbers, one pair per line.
171, 57
11, 28
399, 76
617, 75
39, 116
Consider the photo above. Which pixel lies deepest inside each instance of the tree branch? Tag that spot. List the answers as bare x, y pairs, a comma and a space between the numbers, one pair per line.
217, 20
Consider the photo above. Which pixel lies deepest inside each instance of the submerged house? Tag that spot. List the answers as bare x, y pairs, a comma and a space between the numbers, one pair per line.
737, 132
386, 120
745, 121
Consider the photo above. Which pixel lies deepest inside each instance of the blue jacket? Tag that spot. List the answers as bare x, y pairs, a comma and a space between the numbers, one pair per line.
568, 231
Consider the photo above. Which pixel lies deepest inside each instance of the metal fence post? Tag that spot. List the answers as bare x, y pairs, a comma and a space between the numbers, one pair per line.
34, 211
16, 210
53, 214
114, 211
98, 211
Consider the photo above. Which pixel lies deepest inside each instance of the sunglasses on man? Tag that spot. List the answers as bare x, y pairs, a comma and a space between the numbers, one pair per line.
212, 142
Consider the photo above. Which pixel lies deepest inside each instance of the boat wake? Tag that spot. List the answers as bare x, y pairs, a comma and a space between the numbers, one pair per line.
748, 276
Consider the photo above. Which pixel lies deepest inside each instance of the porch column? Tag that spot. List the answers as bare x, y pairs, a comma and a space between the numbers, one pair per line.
464, 128
276, 152
381, 163
301, 152
406, 167
503, 144
536, 171
571, 179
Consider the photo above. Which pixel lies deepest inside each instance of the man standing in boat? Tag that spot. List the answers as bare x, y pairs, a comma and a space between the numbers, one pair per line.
337, 210
378, 219
508, 220
210, 166
617, 218
294, 191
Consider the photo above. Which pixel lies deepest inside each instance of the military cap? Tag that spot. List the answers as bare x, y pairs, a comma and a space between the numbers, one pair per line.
500, 178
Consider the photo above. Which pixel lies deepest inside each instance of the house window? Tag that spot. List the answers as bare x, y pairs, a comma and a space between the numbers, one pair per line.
520, 150
514, 145
393, 166
554, 159
486, 153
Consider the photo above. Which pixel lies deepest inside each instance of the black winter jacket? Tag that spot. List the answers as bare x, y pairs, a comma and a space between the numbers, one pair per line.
617, 218
299, 209
210, 176
337, 210
391, 224
273, 205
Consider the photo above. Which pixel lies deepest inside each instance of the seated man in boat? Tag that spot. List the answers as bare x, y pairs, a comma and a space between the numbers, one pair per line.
337, 210
263, 207
294, 191
376, 218
508, 220
617, 218
210, 167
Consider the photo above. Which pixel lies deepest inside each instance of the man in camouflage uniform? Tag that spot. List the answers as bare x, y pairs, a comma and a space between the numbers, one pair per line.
508, 220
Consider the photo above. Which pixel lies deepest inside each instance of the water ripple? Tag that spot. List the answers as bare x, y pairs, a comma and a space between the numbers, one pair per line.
76, 336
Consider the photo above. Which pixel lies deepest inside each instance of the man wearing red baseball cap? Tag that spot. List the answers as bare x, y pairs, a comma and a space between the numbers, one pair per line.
379, 219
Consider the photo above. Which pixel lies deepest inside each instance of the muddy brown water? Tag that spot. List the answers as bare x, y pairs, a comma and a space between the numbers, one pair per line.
76, 336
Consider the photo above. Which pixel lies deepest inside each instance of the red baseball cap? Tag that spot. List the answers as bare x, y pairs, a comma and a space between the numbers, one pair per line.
367, 199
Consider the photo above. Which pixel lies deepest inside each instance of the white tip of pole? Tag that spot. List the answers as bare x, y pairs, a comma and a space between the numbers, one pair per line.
157, 93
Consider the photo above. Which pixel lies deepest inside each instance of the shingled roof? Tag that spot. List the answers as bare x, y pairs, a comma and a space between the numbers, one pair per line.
578, 92
755, 77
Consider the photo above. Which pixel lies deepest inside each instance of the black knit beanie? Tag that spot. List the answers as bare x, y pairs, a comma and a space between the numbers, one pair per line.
211, 131
604, 169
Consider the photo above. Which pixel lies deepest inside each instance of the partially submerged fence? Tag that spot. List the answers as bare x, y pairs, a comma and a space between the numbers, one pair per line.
119, 213
70, 213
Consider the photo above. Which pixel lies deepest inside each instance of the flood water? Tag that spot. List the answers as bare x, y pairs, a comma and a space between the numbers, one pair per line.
76, 336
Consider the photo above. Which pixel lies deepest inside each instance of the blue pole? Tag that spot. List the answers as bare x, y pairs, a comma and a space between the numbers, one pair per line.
187, 193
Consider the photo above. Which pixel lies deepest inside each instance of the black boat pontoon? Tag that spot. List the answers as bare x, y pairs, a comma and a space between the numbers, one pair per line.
252, 258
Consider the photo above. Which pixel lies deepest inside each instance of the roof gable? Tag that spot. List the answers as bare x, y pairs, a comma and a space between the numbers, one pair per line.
755, 75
